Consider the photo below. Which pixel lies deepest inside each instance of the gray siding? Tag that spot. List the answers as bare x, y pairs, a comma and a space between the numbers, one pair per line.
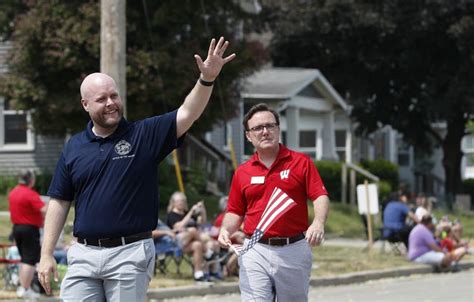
43, 158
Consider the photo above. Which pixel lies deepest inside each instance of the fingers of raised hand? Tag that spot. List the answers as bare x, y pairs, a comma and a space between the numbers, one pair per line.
218, 49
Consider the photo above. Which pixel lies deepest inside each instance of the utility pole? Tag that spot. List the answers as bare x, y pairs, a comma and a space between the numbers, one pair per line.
112, 44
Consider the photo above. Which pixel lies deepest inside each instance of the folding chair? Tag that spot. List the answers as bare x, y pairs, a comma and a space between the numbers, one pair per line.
395, 242
10, 274
167, 252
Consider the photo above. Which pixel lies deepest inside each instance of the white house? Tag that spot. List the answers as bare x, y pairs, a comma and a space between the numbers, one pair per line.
314, 118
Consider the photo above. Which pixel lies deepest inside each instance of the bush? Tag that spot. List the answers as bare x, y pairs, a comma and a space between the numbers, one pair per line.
384, 169
330, 172
7, 183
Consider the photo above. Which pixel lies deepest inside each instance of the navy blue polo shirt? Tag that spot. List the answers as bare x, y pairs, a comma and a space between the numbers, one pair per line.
114, 180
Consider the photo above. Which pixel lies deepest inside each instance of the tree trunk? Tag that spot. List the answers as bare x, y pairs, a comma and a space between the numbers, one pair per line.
452, 156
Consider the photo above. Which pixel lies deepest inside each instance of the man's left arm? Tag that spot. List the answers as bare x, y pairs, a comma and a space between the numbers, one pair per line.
315, 232
198, 98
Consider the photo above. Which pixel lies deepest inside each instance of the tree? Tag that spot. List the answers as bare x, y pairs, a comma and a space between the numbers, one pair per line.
404, 63
56, 44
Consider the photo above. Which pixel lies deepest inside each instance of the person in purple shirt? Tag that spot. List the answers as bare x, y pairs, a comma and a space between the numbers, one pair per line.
422, 246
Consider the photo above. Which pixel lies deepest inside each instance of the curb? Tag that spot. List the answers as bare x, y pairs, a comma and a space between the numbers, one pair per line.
359, 277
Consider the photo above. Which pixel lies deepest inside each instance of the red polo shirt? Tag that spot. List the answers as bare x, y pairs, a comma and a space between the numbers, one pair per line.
253, 183
25, 206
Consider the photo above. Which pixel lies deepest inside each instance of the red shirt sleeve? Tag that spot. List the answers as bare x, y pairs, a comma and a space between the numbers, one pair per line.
236, 203
314, 184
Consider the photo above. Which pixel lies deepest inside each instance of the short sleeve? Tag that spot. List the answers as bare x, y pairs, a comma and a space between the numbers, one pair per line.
236, 203
314, 184
61, 185
160, 134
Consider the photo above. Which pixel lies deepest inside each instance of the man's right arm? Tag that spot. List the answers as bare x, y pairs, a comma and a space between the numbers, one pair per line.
230, 225
53, 225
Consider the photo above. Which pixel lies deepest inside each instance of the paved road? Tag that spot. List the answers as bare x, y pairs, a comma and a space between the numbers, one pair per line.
457, 287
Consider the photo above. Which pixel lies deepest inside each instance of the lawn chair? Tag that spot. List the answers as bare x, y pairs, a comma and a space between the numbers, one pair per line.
10, 257
395, 242
167, 252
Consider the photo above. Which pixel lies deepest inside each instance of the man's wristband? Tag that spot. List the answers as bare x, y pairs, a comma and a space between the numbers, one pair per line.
206, 83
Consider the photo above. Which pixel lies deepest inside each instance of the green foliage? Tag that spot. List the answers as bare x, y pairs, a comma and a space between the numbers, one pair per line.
7, 183
384, 169
194, 185
384, 190
402, 63
330, 172
42, 183
344, 221
57, 43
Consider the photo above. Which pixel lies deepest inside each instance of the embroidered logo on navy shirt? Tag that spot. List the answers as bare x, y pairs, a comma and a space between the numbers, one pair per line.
123, 147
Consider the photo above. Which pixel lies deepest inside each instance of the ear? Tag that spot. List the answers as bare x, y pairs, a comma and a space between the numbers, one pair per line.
247, 135
85, 105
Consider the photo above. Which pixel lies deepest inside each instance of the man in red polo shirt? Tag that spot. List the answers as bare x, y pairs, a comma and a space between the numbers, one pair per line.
280, 263
26, 213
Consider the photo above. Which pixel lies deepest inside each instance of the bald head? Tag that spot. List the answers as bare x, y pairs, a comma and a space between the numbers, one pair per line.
100, 98
92, 82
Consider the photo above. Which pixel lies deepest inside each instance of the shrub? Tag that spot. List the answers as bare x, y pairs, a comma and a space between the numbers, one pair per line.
7, 183
384, 169
330, 172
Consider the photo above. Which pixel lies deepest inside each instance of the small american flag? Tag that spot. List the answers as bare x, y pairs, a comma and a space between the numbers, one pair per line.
278, 204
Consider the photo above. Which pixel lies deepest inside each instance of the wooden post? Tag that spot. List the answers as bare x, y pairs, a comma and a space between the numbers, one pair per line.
344, 184
178, 170
113, 43
369, 216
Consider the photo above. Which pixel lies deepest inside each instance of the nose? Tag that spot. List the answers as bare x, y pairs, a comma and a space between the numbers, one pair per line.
109, 102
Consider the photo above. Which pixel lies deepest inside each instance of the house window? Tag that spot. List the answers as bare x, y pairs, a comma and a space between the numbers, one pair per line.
15, 129
403, 153
307, 138
341, 144
307, 142
468, 143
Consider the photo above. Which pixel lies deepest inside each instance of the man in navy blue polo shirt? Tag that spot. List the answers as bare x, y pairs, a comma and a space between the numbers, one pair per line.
110, 171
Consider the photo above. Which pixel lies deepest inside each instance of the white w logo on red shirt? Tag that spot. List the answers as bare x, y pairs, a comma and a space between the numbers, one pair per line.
284, 174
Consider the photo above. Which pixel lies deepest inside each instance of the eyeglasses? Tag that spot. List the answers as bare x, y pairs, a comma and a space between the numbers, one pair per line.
259, 129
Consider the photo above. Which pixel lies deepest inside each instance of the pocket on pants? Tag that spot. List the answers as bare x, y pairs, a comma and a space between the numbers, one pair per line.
148, 249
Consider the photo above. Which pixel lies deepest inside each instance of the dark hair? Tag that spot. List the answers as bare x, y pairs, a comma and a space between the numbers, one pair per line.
427, 219
25, 176
258, 108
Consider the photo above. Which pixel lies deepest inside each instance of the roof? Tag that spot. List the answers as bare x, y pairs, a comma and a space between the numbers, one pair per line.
286, 82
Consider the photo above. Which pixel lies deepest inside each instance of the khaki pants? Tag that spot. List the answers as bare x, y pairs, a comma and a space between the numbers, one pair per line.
281, 271
109, 274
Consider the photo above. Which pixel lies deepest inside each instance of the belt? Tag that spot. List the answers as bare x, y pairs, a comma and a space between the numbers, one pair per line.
113, 242
281, 241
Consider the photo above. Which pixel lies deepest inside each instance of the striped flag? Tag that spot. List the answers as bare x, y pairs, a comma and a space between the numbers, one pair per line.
278, 204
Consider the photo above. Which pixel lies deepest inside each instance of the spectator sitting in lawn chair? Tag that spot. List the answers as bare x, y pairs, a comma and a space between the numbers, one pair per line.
165, 246
395, 214
423, 247
186, 223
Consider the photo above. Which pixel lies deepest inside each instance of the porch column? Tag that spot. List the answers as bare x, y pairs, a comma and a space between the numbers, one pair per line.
328, 137
292, 135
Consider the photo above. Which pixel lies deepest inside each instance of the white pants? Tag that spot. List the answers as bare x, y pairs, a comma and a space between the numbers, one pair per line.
108, 274
282, 270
